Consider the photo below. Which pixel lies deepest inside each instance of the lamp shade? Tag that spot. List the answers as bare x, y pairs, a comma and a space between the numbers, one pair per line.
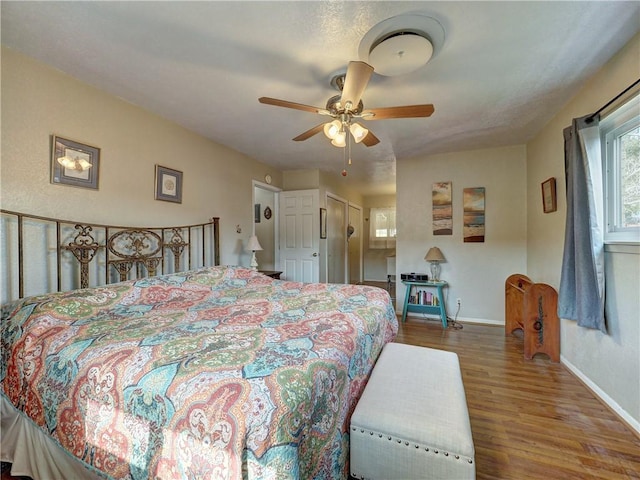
254, 244
331, 129
340, 140
358, 132
434, 255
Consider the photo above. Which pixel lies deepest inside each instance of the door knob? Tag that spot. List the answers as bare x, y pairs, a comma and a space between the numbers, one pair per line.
315, 254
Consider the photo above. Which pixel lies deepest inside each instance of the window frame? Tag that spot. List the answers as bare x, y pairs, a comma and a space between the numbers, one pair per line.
384, 242
619, 122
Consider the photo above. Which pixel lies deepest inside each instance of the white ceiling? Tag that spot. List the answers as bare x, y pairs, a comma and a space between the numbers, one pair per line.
504, 70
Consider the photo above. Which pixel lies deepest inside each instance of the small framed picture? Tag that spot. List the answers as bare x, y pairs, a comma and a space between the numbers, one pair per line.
168, 184
74, 163
323, 223
549, 195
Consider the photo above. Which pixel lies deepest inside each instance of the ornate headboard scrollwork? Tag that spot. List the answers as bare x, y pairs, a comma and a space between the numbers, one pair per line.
123, 252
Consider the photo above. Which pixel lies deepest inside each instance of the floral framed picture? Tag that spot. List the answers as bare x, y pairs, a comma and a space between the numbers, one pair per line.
549, 195
168, 184
74, 163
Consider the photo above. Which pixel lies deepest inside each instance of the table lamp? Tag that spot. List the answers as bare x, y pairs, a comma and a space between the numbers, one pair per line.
254, 246
435, 256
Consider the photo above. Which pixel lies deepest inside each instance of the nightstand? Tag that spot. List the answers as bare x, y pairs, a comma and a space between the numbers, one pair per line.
420, 298
271, 273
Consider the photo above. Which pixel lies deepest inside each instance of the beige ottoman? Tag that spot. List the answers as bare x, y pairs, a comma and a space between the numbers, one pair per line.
412, 421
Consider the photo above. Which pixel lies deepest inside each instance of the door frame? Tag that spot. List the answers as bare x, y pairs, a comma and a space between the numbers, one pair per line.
275, 215
361, 255
345, 260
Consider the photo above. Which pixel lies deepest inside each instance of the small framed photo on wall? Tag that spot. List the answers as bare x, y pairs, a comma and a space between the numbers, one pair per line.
74, 163
549, 195
323, 223
168, 184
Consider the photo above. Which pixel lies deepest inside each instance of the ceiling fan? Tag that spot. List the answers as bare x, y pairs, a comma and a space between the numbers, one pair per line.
348, 106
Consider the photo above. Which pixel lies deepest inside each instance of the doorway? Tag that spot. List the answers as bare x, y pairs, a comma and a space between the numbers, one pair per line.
265, 201
354, 242
336, 240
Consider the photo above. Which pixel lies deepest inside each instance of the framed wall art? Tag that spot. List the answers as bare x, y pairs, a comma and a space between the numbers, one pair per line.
74, 163
323, 223
473, 214
549, 195
168, 184
441, 208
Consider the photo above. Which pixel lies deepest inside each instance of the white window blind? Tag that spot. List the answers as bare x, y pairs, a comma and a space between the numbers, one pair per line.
382, 228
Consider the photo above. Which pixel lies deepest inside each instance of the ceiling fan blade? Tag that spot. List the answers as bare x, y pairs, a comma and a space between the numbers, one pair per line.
407, 111
295, 106
356, 80
370, 140
309, 133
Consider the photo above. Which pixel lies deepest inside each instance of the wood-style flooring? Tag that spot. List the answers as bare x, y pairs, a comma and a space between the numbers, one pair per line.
530, 419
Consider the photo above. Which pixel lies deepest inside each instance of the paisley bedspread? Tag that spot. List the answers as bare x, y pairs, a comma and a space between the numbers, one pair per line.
216, 373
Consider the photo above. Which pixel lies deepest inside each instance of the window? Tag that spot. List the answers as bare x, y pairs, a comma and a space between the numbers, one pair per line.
382, 228
620, 134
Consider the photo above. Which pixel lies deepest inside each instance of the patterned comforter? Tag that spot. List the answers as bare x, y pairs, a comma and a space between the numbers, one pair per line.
215, 373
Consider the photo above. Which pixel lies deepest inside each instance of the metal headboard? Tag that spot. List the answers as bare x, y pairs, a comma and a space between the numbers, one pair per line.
122, 252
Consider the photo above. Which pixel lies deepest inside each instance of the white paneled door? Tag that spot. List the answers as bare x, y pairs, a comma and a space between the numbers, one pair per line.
300, 235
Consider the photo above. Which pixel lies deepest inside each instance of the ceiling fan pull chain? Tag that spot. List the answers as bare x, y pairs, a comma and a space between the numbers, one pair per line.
344, 161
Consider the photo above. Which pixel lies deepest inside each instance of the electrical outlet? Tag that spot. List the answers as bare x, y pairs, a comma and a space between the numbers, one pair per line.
459, 301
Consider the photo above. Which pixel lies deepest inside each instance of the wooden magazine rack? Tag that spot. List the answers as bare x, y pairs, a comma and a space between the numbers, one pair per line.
532, 307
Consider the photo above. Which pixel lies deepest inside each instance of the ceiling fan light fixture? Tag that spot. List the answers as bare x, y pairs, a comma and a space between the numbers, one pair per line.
400, 53
340, 140
332, 129
358, 132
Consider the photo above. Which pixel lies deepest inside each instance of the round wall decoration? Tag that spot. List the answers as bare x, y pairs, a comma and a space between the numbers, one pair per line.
267, 213
267, 178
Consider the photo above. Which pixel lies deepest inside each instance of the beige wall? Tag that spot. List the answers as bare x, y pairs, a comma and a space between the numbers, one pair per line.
610, 363
475, 271
38, 102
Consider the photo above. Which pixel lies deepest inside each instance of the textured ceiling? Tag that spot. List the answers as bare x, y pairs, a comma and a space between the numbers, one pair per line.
504, 70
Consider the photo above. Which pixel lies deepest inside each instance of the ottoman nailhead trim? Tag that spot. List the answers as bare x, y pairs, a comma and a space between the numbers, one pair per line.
401, 441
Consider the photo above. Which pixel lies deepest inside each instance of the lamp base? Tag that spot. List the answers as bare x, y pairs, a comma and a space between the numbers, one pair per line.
254, 261
435, 272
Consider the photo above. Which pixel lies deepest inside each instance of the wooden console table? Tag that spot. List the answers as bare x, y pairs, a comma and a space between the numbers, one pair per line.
435, 307
533, 308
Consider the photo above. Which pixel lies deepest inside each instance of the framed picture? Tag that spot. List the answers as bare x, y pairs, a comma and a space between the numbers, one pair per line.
256, 213
168, 184
323, 223
549, 195
74, 163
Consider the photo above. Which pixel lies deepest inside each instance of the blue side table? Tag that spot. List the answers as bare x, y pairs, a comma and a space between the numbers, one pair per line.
435, 308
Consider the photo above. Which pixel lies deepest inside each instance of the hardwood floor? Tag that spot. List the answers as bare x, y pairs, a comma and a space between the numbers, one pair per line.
530, 419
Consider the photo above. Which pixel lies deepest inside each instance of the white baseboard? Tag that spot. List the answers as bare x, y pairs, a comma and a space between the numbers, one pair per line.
598, 392
482, 321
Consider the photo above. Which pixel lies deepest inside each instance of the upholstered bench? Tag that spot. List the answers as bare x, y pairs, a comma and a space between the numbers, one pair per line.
412, 421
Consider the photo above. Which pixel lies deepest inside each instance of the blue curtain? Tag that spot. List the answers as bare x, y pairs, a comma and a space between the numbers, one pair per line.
581, 293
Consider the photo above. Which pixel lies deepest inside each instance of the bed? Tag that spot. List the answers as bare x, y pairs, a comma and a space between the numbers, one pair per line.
216, 372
